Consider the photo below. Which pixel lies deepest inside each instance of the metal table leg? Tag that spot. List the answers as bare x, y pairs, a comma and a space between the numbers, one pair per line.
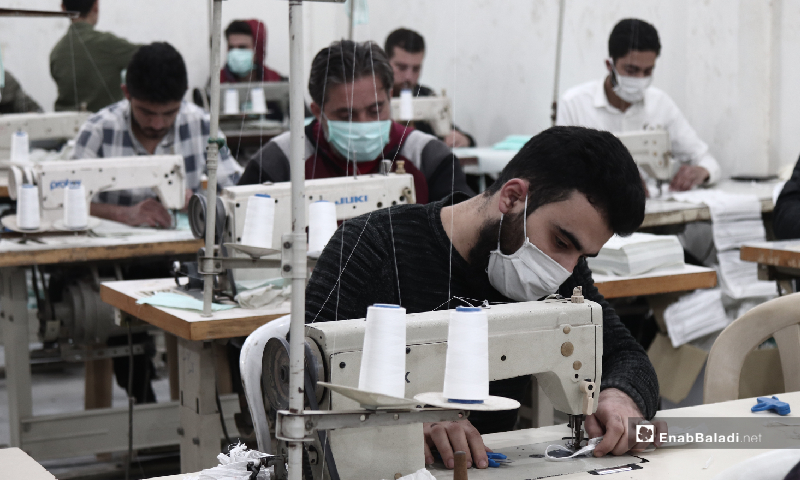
200, 426
14, 322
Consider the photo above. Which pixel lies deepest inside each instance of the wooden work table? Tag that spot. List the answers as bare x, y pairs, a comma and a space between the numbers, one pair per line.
199, 417
99, 430
779, 261
186, 324
679, 279
665, 463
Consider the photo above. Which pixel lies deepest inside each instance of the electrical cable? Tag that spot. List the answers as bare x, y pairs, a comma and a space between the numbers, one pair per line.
222, 417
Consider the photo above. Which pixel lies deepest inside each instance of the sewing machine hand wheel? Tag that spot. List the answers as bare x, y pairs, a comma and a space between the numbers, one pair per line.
198, 210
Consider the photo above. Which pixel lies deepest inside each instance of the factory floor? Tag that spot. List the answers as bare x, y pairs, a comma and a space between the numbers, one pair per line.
58, 388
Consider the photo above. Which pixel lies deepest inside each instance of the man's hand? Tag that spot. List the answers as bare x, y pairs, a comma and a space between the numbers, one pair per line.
687, 177
449, 437
149, 212
611, 421
456, 139
187, 197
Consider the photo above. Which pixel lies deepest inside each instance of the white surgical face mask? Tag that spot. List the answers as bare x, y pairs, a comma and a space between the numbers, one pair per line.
630, 89
527, 274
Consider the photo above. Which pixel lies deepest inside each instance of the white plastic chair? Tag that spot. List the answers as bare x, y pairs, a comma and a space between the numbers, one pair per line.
250, 367
778, 318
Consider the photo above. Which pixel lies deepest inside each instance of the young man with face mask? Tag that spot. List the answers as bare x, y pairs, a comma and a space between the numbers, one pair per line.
555, 203
350, 86
625, 101
247, 50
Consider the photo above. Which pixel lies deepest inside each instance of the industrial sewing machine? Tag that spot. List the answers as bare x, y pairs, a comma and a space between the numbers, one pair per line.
165, 174
353, 196
248, 94
435, 110
45, 130
560, 341
650, 150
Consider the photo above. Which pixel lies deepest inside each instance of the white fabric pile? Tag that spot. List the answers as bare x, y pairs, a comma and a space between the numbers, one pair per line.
234, 466
695, 315
638, 253
736, 220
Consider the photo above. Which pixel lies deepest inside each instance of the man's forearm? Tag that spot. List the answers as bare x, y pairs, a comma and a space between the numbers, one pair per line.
107, 211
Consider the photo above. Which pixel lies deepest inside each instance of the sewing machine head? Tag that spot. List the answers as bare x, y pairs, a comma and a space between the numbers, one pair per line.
650, 150
435, 110
55, 126
352, 196
164, 174
558, 341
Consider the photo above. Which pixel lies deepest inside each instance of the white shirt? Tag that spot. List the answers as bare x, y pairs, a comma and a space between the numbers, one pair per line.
586, 105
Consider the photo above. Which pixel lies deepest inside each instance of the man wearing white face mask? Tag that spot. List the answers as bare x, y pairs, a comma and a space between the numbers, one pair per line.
525, 237
350, 86
625, 101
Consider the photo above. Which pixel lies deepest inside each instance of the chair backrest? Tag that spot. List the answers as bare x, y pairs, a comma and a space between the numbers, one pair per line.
778, 318
250, 368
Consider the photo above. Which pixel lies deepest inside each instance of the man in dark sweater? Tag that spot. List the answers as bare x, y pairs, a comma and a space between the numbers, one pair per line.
406, 51
558, 201
350, 85
786, 218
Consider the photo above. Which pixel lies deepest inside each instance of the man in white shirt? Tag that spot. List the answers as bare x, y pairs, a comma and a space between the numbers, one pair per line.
625, 101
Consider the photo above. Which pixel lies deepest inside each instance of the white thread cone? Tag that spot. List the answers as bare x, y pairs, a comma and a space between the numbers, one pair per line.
76, 213
259, 221
383, 362
20, 147
321, 224
406, 105
231, 101
258, 100
28, 207
466, 374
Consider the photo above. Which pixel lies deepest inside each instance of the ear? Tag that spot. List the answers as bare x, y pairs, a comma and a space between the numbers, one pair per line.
512, 196
316, 111
96, 6
125, 92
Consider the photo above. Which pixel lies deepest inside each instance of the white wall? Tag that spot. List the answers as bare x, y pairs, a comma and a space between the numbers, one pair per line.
729, 64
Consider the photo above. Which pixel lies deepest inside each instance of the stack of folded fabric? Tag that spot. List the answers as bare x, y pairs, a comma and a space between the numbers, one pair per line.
636, 254
695, 315
736, 220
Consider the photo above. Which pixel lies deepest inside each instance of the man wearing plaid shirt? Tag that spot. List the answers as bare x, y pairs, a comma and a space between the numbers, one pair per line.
152, 120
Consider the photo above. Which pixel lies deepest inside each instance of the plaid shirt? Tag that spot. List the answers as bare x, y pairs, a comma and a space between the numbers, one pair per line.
108, 134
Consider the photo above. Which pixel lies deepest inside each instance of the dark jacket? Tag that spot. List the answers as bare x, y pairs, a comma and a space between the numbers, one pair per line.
786, 217
440, 171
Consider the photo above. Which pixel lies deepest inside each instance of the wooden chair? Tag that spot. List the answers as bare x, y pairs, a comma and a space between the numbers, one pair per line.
778, 318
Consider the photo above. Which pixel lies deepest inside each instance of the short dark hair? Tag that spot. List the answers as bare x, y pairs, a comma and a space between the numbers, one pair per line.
632, 34
562, 160
81, 6
346, 61
240, 27
408, 40
157, 73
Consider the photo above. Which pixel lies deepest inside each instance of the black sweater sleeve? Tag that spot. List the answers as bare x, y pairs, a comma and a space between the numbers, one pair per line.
786, 217
625, 363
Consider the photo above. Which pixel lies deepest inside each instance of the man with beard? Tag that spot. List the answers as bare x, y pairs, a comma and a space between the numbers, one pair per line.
406, 51
153, 119
566, 192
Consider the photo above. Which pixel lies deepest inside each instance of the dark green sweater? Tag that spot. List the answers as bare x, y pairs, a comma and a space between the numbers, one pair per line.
419, 256
89, 64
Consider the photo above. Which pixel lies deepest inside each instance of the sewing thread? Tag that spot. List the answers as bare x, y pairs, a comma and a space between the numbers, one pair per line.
321, 224
28, 207
383, 361
76, 213
259, 221
466, 374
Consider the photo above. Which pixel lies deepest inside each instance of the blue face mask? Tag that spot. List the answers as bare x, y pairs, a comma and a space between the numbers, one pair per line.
240, 61
359, 141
